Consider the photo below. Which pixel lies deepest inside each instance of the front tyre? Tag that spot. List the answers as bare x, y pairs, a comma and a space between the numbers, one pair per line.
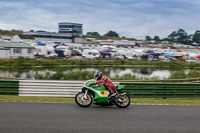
122, 101
83, 101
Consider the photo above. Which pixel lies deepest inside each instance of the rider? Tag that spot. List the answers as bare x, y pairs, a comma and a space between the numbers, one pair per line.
106, 82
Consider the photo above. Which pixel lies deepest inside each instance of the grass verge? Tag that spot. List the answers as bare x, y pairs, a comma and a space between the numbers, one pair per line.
170, 101
35, 99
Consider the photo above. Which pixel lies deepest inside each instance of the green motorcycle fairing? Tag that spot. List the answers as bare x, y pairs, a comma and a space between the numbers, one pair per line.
99, 93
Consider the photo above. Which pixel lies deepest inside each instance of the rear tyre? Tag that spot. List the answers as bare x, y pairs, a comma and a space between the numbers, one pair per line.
83, 101
122, 101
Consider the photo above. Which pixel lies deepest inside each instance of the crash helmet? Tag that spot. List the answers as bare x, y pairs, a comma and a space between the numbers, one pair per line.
98, 75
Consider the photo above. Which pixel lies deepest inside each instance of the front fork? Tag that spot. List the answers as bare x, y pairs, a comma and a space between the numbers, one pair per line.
85, 96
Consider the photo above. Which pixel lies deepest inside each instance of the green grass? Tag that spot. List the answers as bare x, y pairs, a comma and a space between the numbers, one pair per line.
35, 99
170, 101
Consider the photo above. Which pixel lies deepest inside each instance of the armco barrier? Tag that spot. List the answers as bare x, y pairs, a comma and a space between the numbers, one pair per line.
9, 87
49, 88
142, 90
57, 88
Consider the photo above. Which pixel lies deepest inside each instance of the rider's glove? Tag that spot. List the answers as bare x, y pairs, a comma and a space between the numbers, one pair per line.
91, 84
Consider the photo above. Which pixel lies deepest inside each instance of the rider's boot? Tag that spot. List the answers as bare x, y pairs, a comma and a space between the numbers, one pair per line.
112, 95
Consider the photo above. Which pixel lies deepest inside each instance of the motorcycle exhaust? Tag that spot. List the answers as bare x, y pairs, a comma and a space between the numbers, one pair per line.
122, 94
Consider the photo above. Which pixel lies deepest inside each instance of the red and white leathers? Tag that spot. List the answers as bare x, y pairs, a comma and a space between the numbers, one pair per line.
107, 83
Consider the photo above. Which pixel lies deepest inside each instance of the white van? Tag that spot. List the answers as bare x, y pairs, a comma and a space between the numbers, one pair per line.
120, 54
90, 54
191, 57
45, 51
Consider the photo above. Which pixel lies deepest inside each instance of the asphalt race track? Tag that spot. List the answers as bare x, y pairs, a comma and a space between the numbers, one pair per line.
22, 117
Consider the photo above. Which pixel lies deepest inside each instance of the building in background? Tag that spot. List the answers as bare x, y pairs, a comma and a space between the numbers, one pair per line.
50, 36
73, 28
23, 38
67, 32
16, 49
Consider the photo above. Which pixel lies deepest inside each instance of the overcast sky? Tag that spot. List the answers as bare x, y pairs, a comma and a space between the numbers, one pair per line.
130, 18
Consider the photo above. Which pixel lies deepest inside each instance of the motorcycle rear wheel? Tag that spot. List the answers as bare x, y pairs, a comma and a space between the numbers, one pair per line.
81, 101
122, 101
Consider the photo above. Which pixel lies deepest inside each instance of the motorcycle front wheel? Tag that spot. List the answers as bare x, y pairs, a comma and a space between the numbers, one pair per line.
122, 101
83, 101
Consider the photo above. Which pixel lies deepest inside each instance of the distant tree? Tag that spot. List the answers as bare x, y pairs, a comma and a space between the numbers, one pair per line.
41, 31
148, 38
196, 37
173, 36
180, 36
156, 38
96, 34
165, 39
93, 34
123, 37
111, 34
89, 33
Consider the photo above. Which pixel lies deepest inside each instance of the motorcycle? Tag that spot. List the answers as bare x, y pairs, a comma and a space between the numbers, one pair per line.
100, 96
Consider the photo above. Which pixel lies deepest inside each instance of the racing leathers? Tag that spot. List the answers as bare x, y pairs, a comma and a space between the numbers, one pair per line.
107, 83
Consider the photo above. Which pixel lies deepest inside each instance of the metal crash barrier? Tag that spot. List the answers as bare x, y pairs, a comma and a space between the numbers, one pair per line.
164, 90
9, 87
49, 88
65, 88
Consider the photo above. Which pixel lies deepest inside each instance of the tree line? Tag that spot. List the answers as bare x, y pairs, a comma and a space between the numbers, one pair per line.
180, 36
109, 35
11, 32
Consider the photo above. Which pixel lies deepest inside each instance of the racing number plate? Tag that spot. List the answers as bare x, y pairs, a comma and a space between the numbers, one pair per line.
103, 93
